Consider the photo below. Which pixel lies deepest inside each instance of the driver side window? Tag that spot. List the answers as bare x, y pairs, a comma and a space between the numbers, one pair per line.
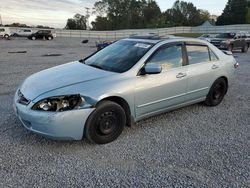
168, 57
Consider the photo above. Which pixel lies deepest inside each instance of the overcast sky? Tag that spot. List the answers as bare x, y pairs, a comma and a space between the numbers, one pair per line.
55, 12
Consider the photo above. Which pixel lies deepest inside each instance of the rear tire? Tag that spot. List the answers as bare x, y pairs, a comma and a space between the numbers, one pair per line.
106, 123
217, 92
33, 38
49, 38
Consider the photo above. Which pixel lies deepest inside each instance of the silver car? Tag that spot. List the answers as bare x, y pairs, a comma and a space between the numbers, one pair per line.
125, 82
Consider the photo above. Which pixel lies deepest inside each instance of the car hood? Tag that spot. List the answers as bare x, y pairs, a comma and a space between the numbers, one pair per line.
59, 77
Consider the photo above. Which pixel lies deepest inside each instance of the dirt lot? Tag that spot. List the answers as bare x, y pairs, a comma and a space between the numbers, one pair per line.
196, 146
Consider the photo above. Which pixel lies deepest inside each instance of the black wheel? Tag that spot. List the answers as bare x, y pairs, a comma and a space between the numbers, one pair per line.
6, 36
244, 49
49, 38
33, 38
217, 92
106, 123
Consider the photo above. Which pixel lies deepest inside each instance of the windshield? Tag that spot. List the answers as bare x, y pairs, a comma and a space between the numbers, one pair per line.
120, 56
226, 35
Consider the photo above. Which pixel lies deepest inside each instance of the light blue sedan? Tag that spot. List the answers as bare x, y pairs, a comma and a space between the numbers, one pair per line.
127, 81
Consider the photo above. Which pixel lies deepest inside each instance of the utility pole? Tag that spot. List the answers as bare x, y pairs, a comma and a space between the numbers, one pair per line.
1, 22
87, 17
89, 11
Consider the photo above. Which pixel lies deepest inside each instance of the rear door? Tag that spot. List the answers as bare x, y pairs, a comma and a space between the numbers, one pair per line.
155, 93
202, 70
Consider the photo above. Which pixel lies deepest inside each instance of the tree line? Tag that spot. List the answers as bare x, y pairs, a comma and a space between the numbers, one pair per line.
139, 14
235, 12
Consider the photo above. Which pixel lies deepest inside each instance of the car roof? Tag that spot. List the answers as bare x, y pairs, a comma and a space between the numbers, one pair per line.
149, 39
169, 39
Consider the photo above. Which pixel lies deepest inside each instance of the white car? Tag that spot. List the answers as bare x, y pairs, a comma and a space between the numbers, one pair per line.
129, 80
23, 33
5, 32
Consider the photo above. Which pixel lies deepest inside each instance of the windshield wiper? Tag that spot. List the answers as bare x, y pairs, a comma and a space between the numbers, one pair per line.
82, 61
92, 65
96, 66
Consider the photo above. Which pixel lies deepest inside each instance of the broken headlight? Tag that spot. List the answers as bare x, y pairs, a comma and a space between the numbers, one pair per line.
59, 104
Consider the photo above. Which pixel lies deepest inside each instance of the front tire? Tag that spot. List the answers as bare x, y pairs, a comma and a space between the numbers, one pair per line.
106, 123
217, 92
6, 36
33, 38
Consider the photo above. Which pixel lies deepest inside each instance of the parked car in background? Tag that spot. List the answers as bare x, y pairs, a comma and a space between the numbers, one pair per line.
231, 41
127, 81
42, 34
207, 37
23, 33
103, 44
5, 32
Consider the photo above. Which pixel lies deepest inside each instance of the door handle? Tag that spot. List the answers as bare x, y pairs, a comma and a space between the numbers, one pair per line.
215, 67
181, 75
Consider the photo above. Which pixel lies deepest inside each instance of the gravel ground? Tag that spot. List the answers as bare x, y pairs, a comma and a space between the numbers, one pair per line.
195, 146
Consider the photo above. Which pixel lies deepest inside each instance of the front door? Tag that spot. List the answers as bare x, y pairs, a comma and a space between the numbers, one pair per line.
155, 93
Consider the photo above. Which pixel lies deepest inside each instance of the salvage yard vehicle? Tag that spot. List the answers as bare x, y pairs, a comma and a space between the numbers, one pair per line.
232, 41
23, 33
103, 44
42, 34
206, 37
127, 81
5, 32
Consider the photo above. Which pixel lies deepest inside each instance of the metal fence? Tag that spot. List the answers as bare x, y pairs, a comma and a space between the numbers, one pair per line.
102, 35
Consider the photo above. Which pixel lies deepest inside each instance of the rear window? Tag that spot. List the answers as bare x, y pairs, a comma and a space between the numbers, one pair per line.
1, 30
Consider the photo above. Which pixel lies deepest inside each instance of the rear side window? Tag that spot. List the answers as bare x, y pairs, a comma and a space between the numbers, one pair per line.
2, 30
168, 57
197, 54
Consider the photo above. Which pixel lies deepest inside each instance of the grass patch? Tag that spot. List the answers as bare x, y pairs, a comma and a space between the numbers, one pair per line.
193, 35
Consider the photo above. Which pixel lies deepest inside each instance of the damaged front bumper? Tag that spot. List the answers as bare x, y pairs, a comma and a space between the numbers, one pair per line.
68, 125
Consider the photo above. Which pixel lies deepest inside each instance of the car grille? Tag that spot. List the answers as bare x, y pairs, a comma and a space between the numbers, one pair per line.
22, 99
216, 43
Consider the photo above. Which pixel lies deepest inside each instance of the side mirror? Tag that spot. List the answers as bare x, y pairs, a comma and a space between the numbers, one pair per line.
151, 68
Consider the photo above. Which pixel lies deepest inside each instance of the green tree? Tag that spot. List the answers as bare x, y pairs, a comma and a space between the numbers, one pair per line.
135, 14
127, 14
185, 14
79, 22
235, 12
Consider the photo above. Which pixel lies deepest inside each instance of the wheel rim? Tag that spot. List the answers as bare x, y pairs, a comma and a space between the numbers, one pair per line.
107, 123
218, 92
